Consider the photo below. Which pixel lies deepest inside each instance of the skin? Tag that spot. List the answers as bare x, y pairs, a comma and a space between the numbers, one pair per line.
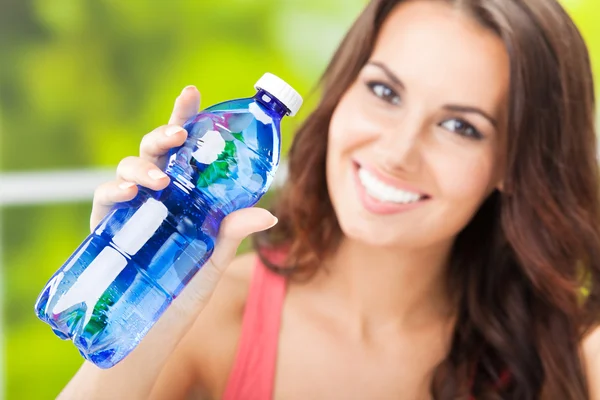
379, 316
400, 330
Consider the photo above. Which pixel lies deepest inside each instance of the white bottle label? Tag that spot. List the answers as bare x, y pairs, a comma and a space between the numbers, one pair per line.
141, 226
109, 263
92, 283
210, 146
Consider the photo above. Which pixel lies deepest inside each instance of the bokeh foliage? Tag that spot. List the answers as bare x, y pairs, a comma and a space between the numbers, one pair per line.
82, 80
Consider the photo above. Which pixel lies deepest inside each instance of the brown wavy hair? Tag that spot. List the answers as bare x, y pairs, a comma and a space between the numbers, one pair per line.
526, 269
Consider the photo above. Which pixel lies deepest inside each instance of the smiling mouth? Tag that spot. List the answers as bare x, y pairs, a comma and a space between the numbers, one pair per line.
383, 192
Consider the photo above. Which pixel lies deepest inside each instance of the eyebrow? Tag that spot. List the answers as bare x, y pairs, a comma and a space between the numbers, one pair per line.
392, 77
449, 107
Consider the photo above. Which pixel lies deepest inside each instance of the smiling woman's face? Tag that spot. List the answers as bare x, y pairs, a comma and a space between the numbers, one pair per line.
415, 144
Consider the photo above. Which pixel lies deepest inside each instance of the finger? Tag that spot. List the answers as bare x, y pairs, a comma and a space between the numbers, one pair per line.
186, 105
234, 228
107, 195
142, 172
155, 145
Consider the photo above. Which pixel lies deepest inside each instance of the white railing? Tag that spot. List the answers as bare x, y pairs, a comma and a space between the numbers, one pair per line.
43, 187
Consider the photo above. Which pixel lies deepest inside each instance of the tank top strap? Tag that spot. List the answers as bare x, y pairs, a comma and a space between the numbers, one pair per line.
253, 372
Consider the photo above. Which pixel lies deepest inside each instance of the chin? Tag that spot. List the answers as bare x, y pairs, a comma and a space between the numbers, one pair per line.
357, 229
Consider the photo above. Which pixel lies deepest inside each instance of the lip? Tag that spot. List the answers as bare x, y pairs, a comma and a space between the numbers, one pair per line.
378, 207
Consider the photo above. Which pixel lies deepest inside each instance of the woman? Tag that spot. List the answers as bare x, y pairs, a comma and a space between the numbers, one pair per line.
439, 235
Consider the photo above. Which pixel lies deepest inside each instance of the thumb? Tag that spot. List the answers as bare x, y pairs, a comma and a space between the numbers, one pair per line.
234, 228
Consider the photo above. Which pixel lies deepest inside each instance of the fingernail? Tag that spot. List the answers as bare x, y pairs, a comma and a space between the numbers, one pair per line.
126, 185
275, 220
171, 130
185, 89
156, 174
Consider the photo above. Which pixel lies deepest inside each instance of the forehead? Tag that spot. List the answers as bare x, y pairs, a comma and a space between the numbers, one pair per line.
435, 47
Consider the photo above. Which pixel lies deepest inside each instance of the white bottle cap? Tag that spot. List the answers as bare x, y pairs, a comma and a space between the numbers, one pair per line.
283, 92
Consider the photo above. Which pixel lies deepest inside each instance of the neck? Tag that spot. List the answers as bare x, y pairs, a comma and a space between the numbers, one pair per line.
377, 287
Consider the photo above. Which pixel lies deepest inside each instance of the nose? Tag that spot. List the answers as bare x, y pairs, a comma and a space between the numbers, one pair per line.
401, 146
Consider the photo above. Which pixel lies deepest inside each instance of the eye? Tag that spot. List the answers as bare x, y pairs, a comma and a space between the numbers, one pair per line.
384, 92
463, 128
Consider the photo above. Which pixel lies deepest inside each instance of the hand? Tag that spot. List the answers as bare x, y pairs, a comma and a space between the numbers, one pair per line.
134, 377
146, 171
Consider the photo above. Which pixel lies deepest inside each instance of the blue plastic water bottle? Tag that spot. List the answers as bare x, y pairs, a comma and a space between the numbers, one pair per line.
125, 274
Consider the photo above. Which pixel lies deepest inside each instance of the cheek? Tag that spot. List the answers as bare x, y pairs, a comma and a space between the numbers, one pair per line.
342, 132
348, 134
465, 180
340, 138
335, 133
352, 125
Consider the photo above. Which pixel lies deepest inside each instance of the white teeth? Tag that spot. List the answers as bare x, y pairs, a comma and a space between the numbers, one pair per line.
384, 192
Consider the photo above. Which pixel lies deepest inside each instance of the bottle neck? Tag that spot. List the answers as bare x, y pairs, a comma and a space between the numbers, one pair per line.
271, 103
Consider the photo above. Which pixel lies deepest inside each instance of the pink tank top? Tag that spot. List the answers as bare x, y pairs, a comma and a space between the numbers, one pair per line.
253, 373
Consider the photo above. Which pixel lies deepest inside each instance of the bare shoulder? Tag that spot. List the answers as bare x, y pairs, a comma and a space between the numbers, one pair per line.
591, 352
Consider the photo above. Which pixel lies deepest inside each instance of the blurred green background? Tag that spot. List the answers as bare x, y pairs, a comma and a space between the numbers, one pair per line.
81, 81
